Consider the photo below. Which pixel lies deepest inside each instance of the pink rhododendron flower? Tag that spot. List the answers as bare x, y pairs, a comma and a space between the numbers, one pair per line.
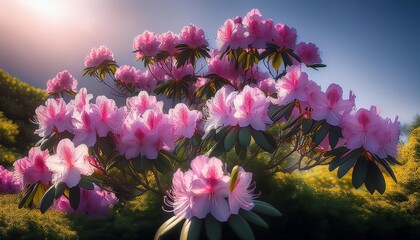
110, 116
97, 56
251, 106
268, 86
284, 36
231, 34
8, 184
168, 42
63, 81
147, 44
135, 139
94, 202
84, 123
146, 81
220, 109
388, 136
143, 102
193, 36
259, 31
32, 169
241, 196
331, 106
69, 163
180, 197
360, 129
54, 116
308, 53
184, 120
81, 99
210, 188
181, 72
127, 74
292, 86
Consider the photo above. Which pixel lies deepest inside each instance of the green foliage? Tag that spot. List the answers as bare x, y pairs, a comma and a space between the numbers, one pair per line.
408, 128
18, 101
18, 223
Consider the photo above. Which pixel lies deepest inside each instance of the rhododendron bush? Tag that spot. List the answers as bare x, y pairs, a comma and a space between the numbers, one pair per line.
194, 121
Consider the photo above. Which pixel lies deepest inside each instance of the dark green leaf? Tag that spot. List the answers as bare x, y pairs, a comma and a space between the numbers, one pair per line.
253, 217
28, 196
59, 190
334, 135
162, 163
266, 209
286, 59
47, 199
391, 159
384, 163
231, 138
261, 139
317, 65
86, 183
194, 229
245, 136
241, 227
74, 197
359, 172
217, 150
221, 133
348, 162
321, 133
335, 151
377, 177
293, 54
213, 228
292, 121
306, 125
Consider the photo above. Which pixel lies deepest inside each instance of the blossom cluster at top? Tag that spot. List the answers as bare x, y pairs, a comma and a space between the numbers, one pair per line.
206, 188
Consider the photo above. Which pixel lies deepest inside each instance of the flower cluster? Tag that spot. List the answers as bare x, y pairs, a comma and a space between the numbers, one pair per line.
62, 82
32, 169
8, 184
97, 56
365, 128
146, 129
256, 31
206, 188
94, 202
149, 44
230, 108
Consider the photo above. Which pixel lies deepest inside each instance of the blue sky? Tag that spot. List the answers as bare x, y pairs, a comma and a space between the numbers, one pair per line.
370, 47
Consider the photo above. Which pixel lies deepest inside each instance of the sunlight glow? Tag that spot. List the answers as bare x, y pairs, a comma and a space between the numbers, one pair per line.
49, 9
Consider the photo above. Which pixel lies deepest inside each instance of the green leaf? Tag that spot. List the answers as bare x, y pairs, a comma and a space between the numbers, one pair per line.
217, 150
221, 133
391, 159
168, 225
28, 196
262, 140
241, 227
335, 162
348, 162
233, 177
321, 133
213, 228
286, 59
340, 150
369, 184
334, 135
317, 65
59, 190
162, 163
377, 177
306, 125
293, 54
292, 121
245, 136
86, 183
47, 199
266, 209
359, 172
141, 164
253, 217
384, 163
74, 197
231, 138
